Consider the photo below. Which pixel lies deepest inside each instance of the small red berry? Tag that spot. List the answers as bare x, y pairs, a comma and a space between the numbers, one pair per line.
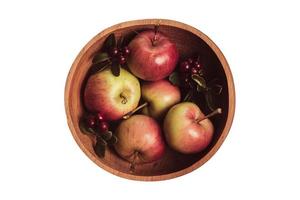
190, 60
184, 67
103, 126
100, 117
126, 51
91, 121
120, 52
122, 60
194, 70
197, 65
114, 51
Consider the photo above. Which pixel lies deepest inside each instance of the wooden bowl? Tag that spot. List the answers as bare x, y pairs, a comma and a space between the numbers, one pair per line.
173, 164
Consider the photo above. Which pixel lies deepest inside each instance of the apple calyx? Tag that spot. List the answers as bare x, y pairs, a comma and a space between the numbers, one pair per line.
132, 164
135, 110
215, 112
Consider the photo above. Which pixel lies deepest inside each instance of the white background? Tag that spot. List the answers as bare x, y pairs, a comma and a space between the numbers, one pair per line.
39, 158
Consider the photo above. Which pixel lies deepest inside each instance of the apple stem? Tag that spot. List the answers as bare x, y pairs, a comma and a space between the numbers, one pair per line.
135, 110
155, 35
217, 111
124, 100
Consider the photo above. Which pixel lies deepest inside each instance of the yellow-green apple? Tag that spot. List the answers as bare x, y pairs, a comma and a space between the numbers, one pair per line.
153, 56
187, 129
139, 140
112, 96
160, 96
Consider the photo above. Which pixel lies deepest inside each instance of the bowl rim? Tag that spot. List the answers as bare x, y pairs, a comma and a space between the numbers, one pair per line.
167, 22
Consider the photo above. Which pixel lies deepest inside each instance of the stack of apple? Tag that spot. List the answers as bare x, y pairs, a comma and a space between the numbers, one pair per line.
143, 88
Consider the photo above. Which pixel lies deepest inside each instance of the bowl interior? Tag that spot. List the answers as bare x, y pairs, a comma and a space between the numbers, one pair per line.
188, 44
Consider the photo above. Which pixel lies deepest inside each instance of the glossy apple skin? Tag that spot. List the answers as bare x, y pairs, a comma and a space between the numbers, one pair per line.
139, 134
182, 133
160, 95
103, 93
150, 60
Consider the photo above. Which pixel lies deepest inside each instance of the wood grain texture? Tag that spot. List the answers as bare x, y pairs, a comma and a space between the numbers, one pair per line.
188, 40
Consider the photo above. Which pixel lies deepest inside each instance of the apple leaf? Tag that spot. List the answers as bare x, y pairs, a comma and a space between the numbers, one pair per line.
188, 96
174, 79
201, 73
115, 68
200, 89
84, 129
110, 42
98, 67
100, 57
113, 140
120, 42
209, 97
106, 135
128, 37
100, 146
201, 83
217, 89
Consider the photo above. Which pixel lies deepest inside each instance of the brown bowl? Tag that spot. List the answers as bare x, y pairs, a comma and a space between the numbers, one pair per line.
173, 164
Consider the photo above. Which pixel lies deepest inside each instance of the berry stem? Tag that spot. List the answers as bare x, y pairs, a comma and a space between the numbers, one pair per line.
135, 110
215, 112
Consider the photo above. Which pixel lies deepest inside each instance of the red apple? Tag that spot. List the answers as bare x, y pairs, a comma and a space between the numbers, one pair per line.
112, 96
153, 56
187, 129
139, 140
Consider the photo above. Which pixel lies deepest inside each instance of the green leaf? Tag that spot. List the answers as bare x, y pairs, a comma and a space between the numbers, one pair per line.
113, 140
110, 42
128, 37
201, 73
120, 42
201, 83
200, 89
217, 89
115, 68
101, 57
84, 129
174, 79
98, 67
99, 148
209, 97
188, 96
106, 135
